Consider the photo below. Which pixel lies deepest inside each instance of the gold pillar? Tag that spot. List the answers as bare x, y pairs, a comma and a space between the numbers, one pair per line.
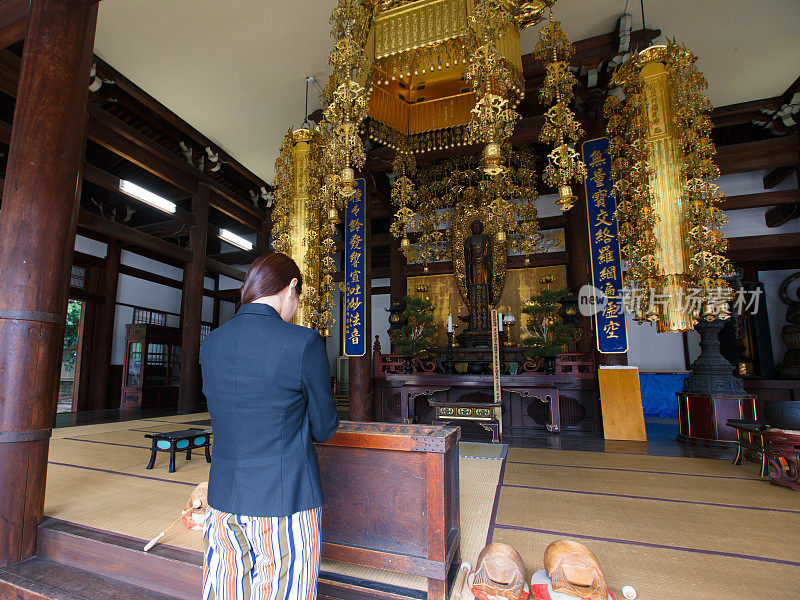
665, 158
298, 222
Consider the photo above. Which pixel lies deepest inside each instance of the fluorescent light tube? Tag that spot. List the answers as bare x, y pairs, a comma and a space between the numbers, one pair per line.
146, 196
235, 240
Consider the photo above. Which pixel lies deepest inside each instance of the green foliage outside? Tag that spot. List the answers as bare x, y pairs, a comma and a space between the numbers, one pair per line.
417, 336
71, 334
549, 335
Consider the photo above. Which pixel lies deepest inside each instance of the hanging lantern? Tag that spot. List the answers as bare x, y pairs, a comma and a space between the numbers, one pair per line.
667, 206
347, 182
492, 161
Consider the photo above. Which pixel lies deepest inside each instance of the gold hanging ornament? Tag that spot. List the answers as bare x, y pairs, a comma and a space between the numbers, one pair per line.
670, 223
302, 227
561, 128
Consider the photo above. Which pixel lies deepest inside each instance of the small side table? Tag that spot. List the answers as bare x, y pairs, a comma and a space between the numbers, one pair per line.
178, 441
751, 437
783, 450
488, 416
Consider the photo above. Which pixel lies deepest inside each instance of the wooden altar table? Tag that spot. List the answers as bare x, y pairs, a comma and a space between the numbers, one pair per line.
395, 396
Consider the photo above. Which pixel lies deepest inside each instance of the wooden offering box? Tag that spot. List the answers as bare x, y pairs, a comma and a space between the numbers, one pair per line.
391, 499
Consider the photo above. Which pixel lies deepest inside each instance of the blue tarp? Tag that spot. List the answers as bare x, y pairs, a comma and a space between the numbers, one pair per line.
658, 393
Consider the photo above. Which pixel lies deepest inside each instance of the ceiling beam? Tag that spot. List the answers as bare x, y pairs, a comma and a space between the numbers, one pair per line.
216, 266
741, 113
239, 257
163, 229
780, 215
13, 21
128, 235
163, 113
776, 176
757, 156
780, 246
759, 200
589, 53
114, 134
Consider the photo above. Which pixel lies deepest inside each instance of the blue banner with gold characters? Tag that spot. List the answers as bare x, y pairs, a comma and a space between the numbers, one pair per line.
604, 248
355, 293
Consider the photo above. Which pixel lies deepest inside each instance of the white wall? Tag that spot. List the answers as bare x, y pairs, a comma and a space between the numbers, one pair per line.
380, 317
147, 294
90, 246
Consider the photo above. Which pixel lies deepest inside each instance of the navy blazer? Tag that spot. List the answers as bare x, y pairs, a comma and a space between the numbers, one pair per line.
267, 383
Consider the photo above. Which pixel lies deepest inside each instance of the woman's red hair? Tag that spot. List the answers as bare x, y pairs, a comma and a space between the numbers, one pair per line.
268, 275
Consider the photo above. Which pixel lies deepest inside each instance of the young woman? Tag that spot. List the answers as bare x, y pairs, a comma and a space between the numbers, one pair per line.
268, 389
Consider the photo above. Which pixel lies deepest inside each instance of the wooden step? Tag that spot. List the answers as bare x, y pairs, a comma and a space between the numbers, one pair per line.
38, 579
166, 570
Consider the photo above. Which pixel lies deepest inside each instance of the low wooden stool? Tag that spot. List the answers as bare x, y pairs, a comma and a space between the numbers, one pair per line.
178, 441
750, 438
488, 416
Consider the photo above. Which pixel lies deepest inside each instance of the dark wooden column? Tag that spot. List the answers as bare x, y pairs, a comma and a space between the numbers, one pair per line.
360, 367
192, 311
37, 235
103, 338
397, 275
576, 234
263, 233
215, 315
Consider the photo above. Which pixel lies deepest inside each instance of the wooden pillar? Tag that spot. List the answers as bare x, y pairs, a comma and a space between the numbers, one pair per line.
576, 235
103, 338
360, 367
37, 235
263, 233
192, 311
397, 277
215, 315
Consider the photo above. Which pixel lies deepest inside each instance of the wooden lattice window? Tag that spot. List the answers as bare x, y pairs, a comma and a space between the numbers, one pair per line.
148, 316
77, 277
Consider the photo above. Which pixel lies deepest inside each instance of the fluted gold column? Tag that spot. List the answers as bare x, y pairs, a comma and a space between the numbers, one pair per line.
665, 159
298, 223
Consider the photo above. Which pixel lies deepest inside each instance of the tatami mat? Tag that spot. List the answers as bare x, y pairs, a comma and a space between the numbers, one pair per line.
481, 450
673, 528
97, 478
180, 418
711, 490
606, 460
708, 528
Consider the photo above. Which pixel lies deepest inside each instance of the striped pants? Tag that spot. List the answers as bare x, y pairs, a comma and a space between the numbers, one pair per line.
261, 558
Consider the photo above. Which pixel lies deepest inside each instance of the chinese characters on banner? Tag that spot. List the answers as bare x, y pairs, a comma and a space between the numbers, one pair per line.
604, 248
355, 273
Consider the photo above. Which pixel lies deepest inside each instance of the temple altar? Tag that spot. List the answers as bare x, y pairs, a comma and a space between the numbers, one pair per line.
563, 401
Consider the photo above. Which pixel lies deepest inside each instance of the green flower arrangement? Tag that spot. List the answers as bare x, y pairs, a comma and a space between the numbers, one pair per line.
417, 336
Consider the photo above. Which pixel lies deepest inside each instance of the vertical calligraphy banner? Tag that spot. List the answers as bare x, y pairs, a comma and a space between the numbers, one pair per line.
612, 335
355, 293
